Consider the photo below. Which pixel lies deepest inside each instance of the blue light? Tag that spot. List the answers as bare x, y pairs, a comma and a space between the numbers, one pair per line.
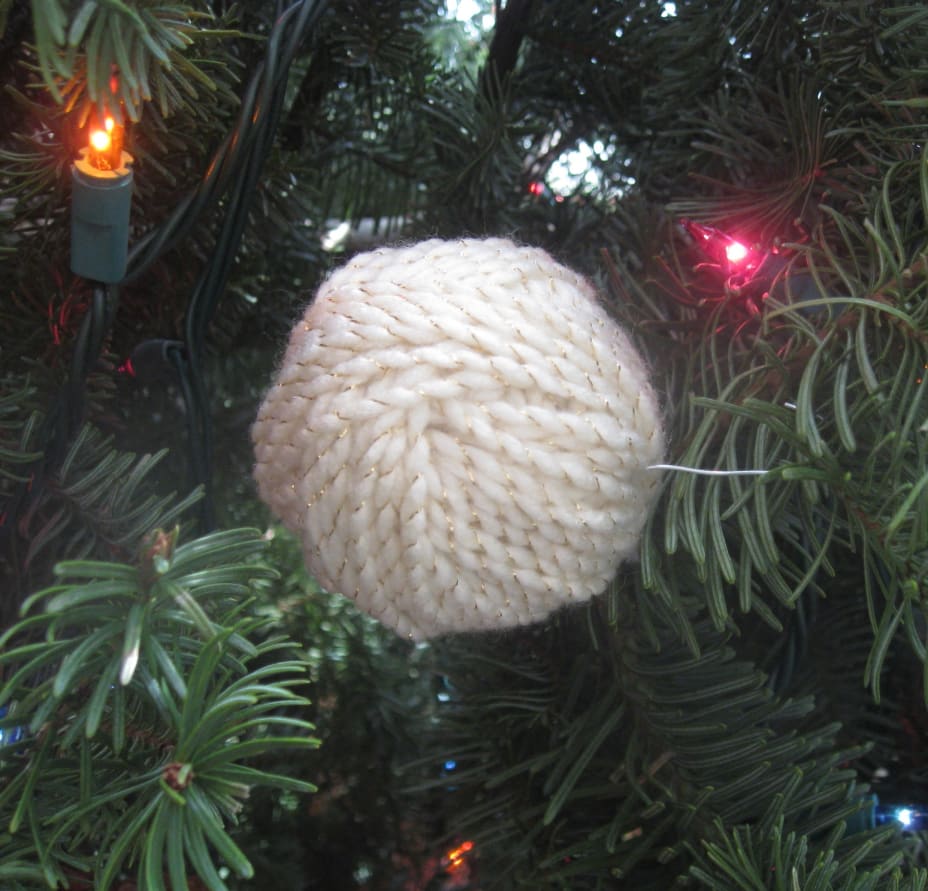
904, 816
9, 736
450, 764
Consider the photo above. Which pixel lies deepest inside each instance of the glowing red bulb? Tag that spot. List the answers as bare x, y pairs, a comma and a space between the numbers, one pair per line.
536, 188
736, 252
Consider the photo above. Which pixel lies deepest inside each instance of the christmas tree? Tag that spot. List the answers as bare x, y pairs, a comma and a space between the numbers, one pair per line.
183, 705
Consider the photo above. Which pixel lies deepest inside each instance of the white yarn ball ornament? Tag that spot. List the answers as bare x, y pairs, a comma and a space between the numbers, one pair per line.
460, 435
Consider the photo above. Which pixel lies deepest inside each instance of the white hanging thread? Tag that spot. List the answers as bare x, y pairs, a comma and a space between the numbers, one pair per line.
699, 471
461, 437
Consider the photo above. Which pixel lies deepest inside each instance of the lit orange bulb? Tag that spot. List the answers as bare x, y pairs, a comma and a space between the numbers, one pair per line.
100, 141
102, 147
455, 857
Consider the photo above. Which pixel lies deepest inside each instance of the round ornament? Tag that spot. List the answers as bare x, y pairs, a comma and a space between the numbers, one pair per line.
460, 435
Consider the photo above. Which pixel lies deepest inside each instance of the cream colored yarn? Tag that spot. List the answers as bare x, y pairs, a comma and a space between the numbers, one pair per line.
460, 434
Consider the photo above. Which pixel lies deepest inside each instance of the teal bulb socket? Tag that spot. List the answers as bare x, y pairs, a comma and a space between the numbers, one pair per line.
101, 201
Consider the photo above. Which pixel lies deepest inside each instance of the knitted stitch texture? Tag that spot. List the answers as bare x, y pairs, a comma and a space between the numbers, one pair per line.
459, 433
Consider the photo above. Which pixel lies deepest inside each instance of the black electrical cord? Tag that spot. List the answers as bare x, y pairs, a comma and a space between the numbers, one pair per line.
233, 172
231, 155
88, 347
234, 168
66, 412
251, 143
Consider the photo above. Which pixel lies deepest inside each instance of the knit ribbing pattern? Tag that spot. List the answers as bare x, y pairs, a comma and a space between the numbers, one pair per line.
460, 436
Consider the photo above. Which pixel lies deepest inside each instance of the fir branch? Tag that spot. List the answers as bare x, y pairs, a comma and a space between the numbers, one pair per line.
17, 434
503, 53
565, 762
145, 44
156, 742
744, 857
97, 500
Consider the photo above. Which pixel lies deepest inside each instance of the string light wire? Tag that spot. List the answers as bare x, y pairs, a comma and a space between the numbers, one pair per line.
235, 167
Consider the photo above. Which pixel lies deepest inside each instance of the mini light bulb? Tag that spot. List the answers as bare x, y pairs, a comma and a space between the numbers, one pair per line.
905, 817
735, 252
101, 201
100, 140
455, 858
104, 146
